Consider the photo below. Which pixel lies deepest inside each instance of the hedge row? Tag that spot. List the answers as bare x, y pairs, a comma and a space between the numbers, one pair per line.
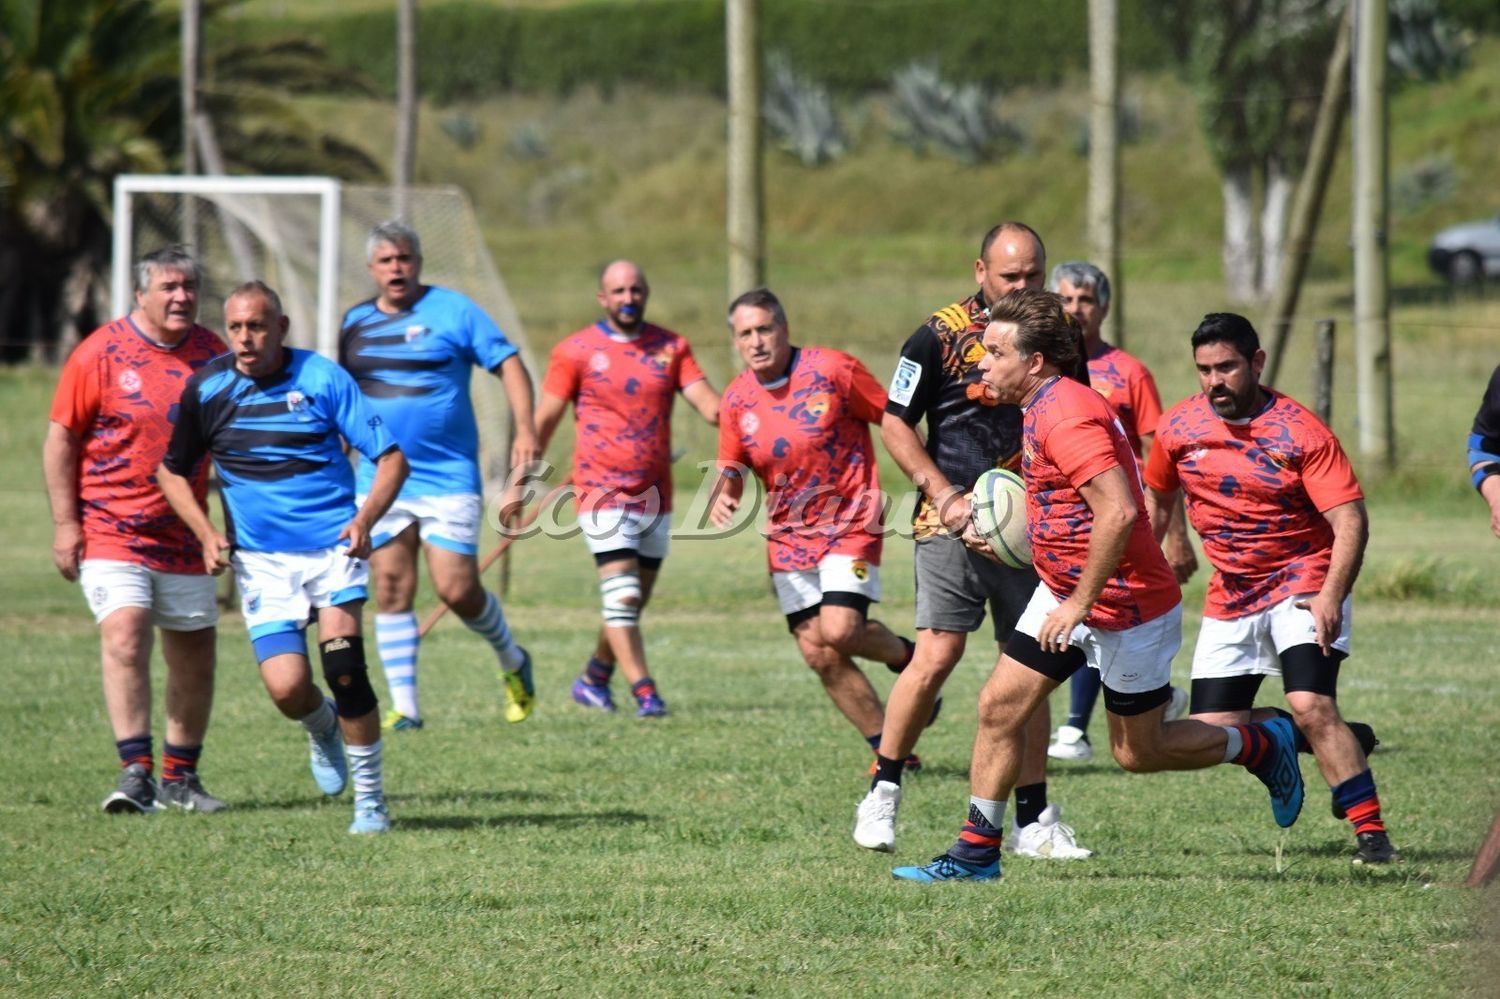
473, 50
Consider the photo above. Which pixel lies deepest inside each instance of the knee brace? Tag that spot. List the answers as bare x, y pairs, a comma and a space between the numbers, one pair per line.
622, 599
344, 669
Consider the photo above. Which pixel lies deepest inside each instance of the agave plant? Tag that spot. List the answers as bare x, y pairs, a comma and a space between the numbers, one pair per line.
802, 115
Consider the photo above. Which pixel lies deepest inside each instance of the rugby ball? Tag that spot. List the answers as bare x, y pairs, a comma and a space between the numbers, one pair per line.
998, 505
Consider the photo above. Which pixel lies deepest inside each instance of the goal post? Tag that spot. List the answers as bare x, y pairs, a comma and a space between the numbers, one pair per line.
305, 237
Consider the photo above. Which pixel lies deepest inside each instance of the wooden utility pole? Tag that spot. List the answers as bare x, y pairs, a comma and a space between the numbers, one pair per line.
1323, 370
1307, 206
192, 60
406, 101
1104, 157
1372, 306
746, 210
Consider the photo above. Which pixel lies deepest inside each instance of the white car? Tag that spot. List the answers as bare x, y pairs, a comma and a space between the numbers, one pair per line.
1468, 252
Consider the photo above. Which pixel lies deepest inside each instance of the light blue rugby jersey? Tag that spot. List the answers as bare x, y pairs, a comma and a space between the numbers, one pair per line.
414, 368
275, 440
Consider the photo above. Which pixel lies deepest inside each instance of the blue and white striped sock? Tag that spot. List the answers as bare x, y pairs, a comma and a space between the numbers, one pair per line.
364, 770
396, 638
491, 625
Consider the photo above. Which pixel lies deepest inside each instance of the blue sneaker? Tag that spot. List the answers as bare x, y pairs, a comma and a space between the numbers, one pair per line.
330, 768
520, 691
946, 868
1280, 773
650, 706
593, 695
370, 816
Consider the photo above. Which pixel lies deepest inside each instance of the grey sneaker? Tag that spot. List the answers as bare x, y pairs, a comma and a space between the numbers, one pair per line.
135, 793
188, 795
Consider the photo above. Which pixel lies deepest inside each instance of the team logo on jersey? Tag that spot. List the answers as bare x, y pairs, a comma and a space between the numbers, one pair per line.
129, 381
749, 424
99, 594
1196, 454
252, 602
861, 569
661, 359
973, 352
416, 333
296, 402
904, 381
599, 362
1282, 461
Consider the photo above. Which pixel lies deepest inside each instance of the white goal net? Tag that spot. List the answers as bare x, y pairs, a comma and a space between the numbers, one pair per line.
305, 237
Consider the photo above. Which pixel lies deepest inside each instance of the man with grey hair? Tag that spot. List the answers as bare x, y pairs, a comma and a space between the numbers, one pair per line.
1128, 387
411, 348
113, 532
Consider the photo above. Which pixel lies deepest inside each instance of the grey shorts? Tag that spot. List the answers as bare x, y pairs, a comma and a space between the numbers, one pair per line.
954, 584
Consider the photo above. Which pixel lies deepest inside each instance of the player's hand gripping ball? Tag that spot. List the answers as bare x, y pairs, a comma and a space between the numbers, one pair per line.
998, 505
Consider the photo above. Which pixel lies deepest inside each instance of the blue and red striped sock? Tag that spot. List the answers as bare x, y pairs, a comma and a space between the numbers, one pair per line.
979, 842
1361, 805
643, 689
136, 749
598, 672
178, 761
1254, 744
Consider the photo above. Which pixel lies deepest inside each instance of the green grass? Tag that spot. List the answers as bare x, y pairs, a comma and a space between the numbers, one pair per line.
581, 854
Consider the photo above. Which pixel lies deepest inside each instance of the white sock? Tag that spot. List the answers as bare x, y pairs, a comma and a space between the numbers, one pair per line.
364, 770
319, 721
490, 624
396, 638
1234, 744
992, 811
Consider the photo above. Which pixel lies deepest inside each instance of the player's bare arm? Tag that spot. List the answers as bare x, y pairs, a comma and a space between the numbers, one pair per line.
549, 413
516, 380
1159, 510
702, 397
1351, 531
391, 470
905, 445
728, 491
1174, 537
179, 495
1113, 507
60, 471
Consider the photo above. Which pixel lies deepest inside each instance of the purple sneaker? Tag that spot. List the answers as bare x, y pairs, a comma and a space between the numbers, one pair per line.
650, 706
592, 695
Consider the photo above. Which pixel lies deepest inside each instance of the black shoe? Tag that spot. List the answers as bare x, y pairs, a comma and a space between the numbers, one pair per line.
135, 793
1375, 848
188, 795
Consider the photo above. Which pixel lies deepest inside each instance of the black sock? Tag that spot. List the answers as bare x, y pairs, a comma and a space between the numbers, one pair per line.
887, 770
1030, 802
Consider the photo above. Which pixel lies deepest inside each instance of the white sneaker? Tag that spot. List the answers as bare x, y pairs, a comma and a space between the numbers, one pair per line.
875, 818
1047, 838
1070, 743
1178, 706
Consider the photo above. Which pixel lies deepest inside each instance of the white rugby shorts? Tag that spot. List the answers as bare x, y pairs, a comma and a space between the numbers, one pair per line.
280, 590
1132, 661
1254, 643
177, 601
450, 522
617, 528
799, 590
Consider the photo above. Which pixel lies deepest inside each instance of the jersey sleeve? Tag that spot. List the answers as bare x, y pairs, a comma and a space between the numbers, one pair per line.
1081, 448
562, 373
360, 425
1160, 472
687, 367
1145, 403
918, 375
1327, 475
488, 345
189, 443
730, 447
75, 403
867, 398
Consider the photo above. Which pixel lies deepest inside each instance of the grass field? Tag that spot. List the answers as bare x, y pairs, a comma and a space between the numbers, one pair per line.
710, 853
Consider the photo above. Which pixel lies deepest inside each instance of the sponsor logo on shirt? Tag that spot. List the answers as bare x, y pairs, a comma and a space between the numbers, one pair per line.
904, 381
416, 333
296, 402
749, 424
